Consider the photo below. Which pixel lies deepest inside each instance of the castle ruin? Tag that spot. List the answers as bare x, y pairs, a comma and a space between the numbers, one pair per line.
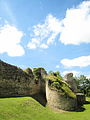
17, 82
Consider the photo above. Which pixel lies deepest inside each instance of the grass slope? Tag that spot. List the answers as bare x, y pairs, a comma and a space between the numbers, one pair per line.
26, 108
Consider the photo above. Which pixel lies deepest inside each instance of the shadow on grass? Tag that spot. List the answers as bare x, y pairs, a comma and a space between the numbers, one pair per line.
87, 102
80, 109
41, 98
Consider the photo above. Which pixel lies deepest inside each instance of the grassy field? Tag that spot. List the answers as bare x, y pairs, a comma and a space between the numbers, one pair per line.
26, 108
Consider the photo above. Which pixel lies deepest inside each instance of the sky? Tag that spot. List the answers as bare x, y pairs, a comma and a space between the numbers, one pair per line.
53, 34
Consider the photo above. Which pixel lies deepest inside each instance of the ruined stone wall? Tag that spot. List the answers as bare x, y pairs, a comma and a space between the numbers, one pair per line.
16, 82
71, 81
39, 75
56, 99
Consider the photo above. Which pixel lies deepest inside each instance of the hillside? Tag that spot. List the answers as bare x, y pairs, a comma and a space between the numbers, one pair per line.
26, 108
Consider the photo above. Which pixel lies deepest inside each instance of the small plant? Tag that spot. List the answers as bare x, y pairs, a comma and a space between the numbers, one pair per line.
56, 85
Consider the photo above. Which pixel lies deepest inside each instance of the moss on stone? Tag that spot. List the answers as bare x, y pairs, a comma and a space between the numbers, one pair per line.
39, 74
58, 84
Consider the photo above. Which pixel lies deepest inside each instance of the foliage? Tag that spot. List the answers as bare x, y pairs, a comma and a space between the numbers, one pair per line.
59, 84
57, 74
26, 108
83, 84
39, 73
56, 85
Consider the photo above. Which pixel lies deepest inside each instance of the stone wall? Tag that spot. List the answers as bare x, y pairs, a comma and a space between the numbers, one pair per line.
39, 75
60, 100
16, 82
71, 81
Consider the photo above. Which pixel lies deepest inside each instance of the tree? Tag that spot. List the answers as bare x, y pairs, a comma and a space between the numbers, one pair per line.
83, 84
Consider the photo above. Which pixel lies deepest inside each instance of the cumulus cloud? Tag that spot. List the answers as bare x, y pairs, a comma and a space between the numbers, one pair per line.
73, 29
75, 73
31, 45
10, 38
45, 34
76, 25
82, 61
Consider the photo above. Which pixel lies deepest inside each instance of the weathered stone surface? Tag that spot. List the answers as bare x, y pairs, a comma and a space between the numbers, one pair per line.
59, 99
71, 81
17, 82
39, 75
14, 81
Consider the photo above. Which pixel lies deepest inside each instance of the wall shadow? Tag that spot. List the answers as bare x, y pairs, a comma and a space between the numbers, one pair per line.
87, 102
41, 98
80, 109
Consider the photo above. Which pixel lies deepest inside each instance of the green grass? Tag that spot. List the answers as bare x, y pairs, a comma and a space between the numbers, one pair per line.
26, 108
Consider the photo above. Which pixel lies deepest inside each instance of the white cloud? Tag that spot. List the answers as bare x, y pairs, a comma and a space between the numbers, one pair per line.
73, 29
51, 39
76, 25
53, 24
45, 34
44, 46
82, 61
31, 45
57, 66
75, 73
10, 38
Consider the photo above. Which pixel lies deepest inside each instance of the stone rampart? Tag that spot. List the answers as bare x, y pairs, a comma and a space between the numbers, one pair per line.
60, 100
16, 82
71, 81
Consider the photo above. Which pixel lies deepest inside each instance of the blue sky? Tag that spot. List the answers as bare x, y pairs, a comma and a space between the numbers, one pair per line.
53, 34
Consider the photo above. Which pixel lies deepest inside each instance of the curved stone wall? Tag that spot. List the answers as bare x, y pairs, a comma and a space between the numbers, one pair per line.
56, 99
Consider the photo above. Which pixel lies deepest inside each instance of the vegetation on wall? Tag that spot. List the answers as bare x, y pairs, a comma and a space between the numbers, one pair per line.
56, 82
39, 74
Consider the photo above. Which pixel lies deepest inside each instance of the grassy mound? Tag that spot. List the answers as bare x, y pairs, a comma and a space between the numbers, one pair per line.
26, 108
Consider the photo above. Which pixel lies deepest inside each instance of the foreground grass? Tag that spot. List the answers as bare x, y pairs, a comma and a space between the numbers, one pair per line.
26, 108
